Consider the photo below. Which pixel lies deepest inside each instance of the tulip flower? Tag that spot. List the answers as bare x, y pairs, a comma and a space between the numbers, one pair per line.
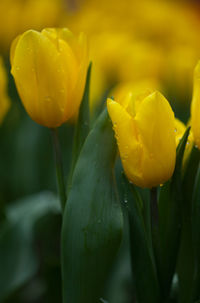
49, 69
195, 106
4, 99
145, 131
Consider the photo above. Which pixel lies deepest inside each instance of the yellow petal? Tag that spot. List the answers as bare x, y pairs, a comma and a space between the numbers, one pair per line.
41, 73
4, 99
155, 123
180, 128
13, 47
126, 135
195, 106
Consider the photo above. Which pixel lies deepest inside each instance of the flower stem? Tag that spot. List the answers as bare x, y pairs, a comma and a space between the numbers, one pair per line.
154, 208
59, 168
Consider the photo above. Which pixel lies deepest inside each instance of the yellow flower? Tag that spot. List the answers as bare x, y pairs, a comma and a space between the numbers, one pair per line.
144, 129
17, 16
195, 106
49, 69
4, 99
180, 129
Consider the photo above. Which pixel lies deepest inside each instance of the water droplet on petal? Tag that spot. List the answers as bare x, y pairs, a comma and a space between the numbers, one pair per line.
48, 99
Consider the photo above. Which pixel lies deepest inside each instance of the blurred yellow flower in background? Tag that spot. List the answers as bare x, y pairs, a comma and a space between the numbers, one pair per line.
4, 99
195, 106
180, 128
17, 16
49, 69
144, 129
131, 40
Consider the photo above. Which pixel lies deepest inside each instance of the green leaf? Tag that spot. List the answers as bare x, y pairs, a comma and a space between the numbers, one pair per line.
18, 260
82, 127
168, 240
186, 263
92, 221
143, 265
196, 236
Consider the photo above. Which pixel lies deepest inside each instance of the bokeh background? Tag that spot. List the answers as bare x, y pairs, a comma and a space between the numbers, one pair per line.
147, 43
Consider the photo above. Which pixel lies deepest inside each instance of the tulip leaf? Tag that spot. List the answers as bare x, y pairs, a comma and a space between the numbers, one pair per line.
18, 259
186, 263
92, 221
196, 236
168, 240
143, 264
82, 127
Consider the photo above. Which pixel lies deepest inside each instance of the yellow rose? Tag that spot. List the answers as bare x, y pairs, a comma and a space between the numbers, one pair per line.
49, 69
4, 99
145, 131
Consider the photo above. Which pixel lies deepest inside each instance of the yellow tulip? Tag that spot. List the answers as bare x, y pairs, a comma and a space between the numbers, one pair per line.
17, 16
145, 132
180, 129
49, 69
195, 106
4, 99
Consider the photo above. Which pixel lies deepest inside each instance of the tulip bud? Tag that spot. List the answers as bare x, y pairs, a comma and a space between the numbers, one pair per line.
4, 99
195, 106
144, 128
49, 69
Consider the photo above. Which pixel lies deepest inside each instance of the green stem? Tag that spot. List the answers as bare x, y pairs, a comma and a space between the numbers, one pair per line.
59, 168
154, 208
2, 212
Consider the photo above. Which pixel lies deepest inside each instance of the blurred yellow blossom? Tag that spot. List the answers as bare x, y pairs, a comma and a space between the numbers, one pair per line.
4, 99
180, 129
136, 39
195, 106
16, 16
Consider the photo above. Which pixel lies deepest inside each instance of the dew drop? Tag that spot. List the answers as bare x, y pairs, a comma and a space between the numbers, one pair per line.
48, 99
